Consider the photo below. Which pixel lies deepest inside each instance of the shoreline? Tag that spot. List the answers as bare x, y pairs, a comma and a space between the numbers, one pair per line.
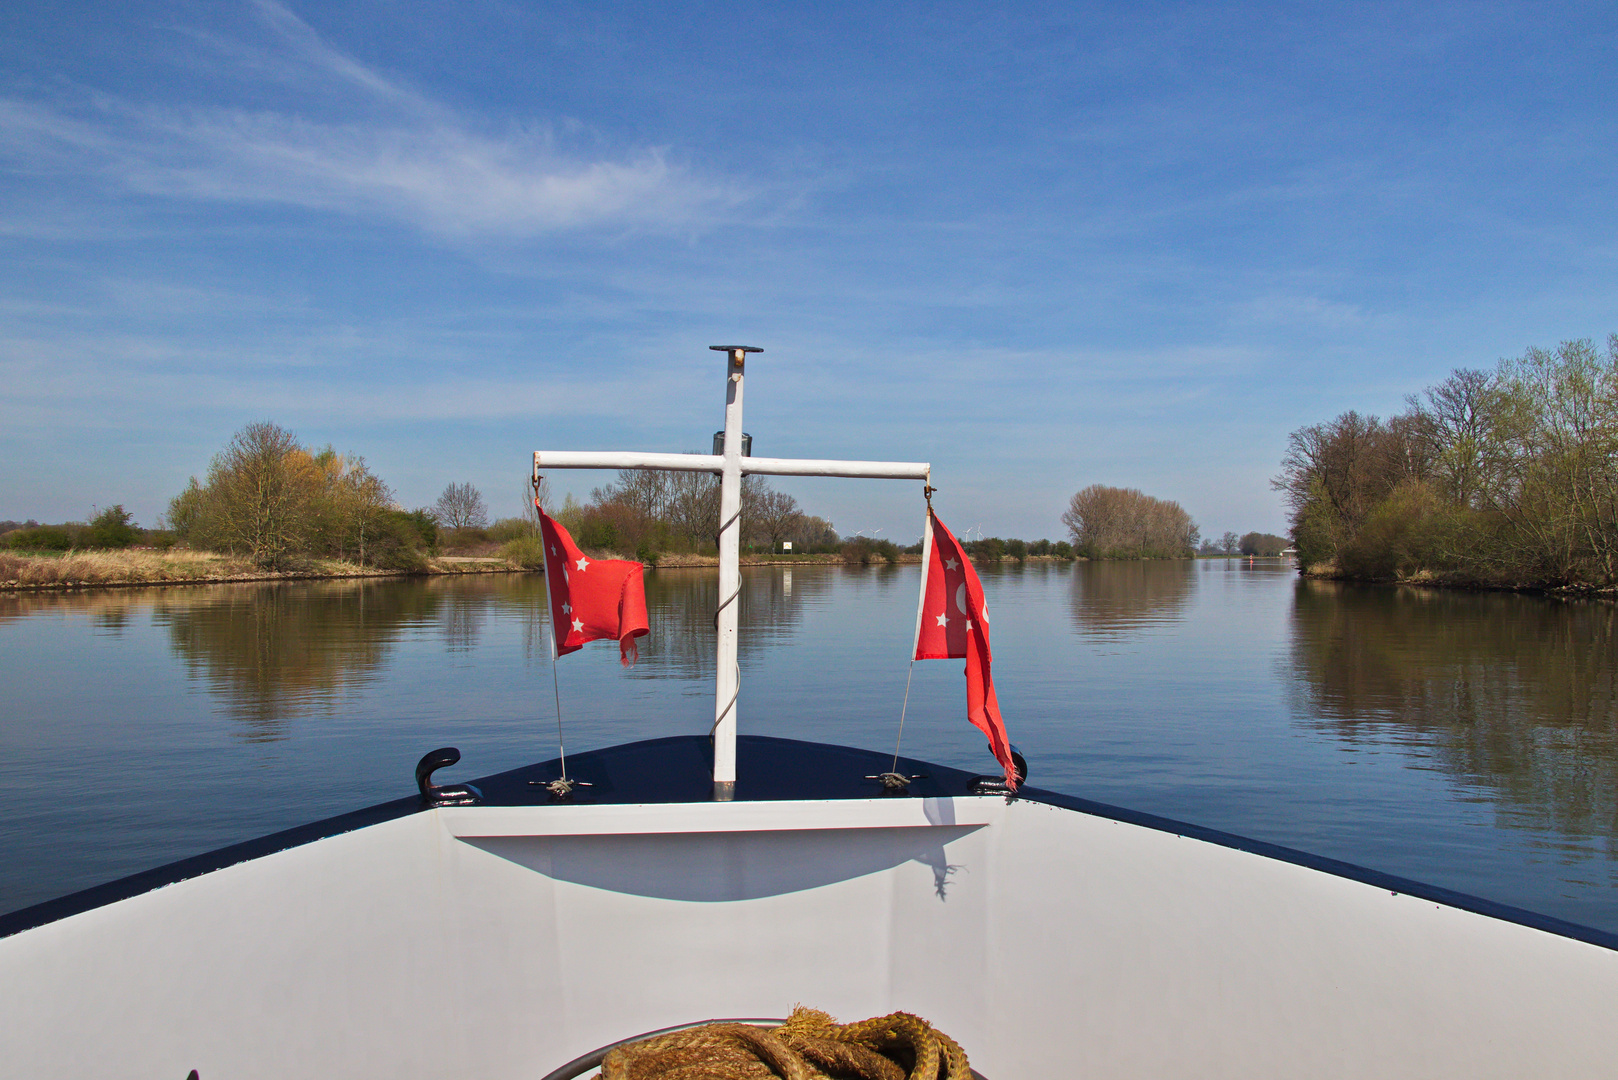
135, 569
1608, 593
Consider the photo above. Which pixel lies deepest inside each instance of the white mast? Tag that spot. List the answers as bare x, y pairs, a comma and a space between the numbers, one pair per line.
728, 677
731, 467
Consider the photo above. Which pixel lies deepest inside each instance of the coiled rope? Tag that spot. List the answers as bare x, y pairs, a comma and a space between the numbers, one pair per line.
809, 1046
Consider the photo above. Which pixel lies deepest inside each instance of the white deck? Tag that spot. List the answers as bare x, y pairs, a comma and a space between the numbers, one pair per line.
502, 942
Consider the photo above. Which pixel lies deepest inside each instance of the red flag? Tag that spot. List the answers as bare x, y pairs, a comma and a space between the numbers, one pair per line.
591, 598
954, 622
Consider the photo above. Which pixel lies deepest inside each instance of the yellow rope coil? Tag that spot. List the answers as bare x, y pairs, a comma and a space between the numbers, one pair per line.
809, 1046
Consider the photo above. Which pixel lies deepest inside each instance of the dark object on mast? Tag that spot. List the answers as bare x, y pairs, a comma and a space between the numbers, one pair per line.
719, 444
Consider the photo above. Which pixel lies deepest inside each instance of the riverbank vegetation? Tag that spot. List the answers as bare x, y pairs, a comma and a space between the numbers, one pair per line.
109, 529
652, 514
1506, 478
279, 504
1261, 544
671, 518
1266, 545
270, 507
1125, 523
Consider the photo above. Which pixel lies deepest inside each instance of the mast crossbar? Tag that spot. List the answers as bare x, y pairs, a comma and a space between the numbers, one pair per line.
715, 463
864, 470
730, 467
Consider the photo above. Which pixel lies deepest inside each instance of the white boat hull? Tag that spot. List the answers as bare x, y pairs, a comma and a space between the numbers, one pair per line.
504, 941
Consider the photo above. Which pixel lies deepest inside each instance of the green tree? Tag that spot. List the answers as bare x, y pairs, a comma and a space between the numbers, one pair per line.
40, 538
111, 528
276, 502
261, 496
1262, 544
989, 549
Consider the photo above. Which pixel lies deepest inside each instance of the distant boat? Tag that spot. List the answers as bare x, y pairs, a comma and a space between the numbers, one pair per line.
492, 930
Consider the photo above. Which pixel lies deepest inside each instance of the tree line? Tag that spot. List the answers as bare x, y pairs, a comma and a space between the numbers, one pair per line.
279, 503
1253, 543
652, 513
1506, 477
110, 529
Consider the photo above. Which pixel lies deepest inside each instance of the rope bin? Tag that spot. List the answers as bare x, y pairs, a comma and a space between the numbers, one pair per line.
810, 1045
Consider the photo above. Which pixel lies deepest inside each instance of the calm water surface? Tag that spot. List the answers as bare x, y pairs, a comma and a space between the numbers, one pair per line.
1468, 741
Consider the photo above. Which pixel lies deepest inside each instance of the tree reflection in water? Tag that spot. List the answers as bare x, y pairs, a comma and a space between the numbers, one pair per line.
274, 652
277, 651
681, 603
1116, 600
1515, 697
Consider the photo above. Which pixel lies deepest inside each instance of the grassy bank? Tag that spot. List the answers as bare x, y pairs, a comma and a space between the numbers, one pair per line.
129, 567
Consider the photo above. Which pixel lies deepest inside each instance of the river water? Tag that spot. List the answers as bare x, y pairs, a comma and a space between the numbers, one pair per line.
1470, 741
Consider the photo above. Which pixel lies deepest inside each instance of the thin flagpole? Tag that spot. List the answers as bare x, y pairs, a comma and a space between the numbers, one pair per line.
556, 688
550, 621
902, 709
921, 606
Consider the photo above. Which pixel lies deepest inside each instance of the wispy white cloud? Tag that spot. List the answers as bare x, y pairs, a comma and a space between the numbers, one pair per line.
61, 374
445, 179
309, 50
1313, 311
395, 154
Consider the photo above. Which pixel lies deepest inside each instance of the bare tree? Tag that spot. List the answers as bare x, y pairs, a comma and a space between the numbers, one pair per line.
811, 531
775, 515
694, 506
1125, 523
1229, 542
642, 494
461, 507
1335, 475
1457, 416
530, 513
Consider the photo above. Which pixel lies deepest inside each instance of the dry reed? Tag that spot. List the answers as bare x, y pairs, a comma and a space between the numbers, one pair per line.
144, 567
117, 567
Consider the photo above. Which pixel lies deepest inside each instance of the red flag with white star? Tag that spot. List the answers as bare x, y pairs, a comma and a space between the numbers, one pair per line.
954, 622
591, 598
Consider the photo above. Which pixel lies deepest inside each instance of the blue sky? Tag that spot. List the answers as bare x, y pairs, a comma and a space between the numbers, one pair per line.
1038, 246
